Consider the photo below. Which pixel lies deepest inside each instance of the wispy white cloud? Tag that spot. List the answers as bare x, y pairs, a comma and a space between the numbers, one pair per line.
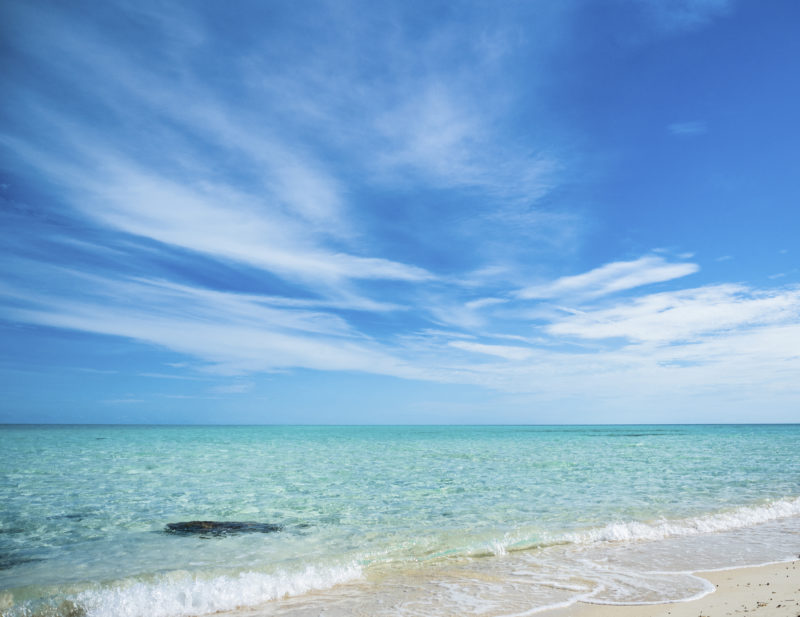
210, 218
671, 15
282, 223
169, 376
610, 278
232, 333
683, 315
688, 129
439, 134
288, 211
503, 351
484, 302
234, 388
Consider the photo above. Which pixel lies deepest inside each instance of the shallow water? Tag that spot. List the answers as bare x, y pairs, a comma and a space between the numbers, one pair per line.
385, 520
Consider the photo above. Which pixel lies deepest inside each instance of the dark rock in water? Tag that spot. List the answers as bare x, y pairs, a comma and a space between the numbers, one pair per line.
220, 528
77, 516
9, 561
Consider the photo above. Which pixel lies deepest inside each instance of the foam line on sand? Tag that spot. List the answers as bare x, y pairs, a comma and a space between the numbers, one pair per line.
771, 590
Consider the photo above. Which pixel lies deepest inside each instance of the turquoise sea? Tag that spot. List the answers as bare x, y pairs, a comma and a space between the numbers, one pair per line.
444, 520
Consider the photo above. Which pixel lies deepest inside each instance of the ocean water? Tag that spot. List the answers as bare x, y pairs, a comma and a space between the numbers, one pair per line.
450, 520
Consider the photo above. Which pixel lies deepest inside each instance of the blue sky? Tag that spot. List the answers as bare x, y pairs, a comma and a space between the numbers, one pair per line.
411, 212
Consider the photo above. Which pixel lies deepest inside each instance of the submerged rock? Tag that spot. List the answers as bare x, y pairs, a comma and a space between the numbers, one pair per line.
9, 561
220, 528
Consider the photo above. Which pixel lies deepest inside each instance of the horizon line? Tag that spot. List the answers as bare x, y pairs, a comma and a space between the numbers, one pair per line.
354, 425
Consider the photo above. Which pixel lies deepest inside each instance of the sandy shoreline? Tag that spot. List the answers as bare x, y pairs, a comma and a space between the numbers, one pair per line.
771, 590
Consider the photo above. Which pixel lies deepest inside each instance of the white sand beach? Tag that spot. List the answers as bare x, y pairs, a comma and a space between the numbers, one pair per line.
765, 591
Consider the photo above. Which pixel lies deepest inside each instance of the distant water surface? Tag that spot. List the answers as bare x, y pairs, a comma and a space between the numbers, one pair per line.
385, 520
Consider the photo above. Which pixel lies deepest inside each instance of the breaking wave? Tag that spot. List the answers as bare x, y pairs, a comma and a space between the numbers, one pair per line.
183, 595
745, 516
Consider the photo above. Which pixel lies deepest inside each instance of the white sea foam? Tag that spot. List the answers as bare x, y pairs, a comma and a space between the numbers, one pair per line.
745, 516
630, 531
183, 595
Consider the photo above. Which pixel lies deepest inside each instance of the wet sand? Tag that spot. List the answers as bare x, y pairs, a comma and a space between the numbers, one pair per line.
765, 591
